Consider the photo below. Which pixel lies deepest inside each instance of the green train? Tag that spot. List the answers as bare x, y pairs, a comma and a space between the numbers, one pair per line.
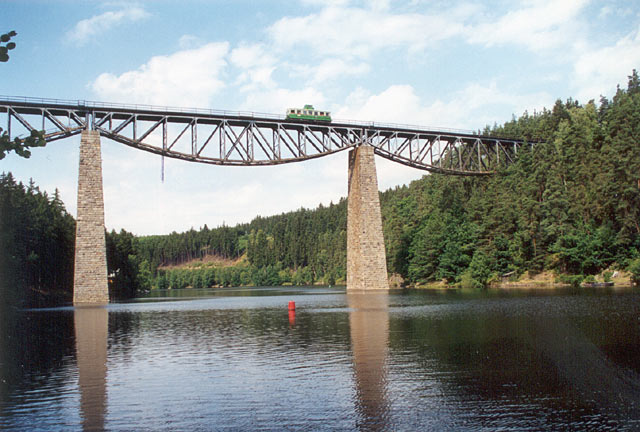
308, 113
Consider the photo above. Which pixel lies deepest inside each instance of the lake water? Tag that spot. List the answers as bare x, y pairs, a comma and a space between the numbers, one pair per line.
237, 359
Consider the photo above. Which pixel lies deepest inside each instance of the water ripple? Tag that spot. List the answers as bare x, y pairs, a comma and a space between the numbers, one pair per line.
415, 361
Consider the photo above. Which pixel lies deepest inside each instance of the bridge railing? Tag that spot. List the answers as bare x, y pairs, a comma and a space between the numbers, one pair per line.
89, 104
133, 107
250, 138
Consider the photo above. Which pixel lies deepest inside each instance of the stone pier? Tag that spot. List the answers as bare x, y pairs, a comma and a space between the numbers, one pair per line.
90, 284
366, 257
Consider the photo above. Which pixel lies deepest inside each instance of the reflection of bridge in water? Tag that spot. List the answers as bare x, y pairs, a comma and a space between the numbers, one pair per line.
376, 361
247, 139
368, 333
91, 330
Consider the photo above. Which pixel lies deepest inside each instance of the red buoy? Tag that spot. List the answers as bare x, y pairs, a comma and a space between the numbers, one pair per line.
292, 305
292, 317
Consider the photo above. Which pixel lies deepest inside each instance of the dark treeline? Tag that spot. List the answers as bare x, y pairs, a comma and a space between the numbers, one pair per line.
36, 245
177, 248
301, 247
570, 204
291, 239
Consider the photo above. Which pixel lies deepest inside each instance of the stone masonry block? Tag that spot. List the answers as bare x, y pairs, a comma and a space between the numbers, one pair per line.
366, 257
90, 285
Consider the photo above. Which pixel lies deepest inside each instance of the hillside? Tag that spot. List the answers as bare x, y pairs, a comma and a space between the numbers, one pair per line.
570, 205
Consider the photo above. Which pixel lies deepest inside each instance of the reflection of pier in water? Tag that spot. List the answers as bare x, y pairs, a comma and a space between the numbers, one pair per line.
369, 324
91, 327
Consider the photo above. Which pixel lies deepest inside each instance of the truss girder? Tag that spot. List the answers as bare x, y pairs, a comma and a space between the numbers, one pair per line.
226, 138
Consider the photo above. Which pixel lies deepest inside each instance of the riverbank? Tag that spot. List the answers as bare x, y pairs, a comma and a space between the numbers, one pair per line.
544, 280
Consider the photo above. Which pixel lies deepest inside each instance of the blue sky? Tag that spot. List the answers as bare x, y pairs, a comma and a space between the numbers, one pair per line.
456, 64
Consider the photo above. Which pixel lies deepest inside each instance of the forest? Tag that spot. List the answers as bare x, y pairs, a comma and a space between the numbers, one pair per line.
570, 204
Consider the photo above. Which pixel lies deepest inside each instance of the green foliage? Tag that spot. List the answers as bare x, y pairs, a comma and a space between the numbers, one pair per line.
584, 249
6, 45
607, 276
571, 203
426, 248
20, 146
634, 269
573, 280
37, 238
309, 245
467, 281
173, 249
17, 145
129, 273
480, 267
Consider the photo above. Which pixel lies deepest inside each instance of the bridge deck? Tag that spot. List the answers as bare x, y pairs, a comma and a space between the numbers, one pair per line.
245, 138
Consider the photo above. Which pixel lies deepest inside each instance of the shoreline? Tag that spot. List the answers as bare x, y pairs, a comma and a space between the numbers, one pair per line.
544, 280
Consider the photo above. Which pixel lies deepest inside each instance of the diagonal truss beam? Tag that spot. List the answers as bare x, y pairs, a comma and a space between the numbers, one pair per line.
231, 138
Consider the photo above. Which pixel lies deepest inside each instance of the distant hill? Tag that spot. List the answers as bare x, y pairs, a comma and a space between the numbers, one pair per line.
569, 205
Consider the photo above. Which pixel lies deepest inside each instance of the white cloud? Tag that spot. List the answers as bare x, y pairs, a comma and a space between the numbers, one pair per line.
248, 56
353, 40
399, 104
381, 5
187, 78
256, 64
196, 194
471, 108
396, 104
325, 3
349, 32
330, 69
98, 24
277, 99
598, 71
543, 25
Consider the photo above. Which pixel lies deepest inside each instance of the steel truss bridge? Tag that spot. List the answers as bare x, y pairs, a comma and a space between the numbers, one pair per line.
244, 138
